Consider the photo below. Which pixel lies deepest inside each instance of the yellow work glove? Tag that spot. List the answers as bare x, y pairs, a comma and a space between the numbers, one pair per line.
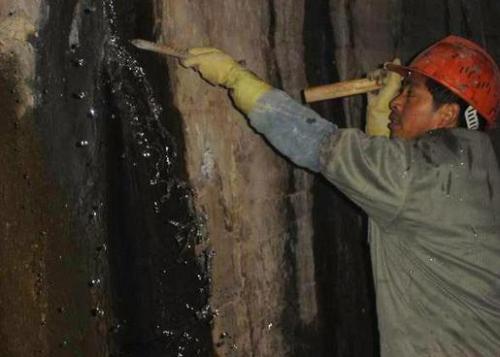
219, 68
377, 113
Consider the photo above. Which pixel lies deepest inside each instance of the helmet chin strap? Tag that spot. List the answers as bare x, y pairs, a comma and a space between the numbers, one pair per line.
471, 118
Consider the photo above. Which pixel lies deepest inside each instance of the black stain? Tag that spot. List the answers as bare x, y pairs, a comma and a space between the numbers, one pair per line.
161, 281
490, 187
449, 140
448, 183
346, 303
140, 236
426, 151
469, 158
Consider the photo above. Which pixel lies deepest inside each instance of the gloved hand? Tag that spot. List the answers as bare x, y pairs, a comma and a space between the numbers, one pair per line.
219, 68
377, 113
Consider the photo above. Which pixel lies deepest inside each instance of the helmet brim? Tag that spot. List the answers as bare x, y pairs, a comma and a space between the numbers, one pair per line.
401, 70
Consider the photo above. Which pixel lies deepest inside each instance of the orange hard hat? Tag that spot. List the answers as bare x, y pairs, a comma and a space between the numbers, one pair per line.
464, 68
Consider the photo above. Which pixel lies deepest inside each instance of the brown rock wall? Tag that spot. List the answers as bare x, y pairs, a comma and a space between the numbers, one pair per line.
44, 294
241, 185
23, 190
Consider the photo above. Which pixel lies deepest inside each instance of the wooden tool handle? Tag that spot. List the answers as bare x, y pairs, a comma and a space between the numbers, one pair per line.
163, 49
340, 89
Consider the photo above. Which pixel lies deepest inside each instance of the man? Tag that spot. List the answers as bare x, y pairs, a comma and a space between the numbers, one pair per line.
430, 191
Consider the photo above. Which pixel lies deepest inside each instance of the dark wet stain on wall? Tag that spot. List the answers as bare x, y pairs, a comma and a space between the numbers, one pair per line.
161, 282
113, 148
339, 226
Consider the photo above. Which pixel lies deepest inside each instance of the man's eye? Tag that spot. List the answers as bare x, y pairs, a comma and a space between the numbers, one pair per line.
402, 91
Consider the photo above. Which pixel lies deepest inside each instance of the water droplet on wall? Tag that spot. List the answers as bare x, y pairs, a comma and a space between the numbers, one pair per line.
115, 328
102, 248
93, 214
95, 282
91, 113
80, 95
156, 207
187, 336
78, 62
82, 143
97, 312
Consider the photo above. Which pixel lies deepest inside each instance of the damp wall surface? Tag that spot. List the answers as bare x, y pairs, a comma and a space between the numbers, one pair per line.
98, 231
141, 216
257, 205
48, 246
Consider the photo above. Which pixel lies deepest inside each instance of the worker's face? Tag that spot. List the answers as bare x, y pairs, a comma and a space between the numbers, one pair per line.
412, 111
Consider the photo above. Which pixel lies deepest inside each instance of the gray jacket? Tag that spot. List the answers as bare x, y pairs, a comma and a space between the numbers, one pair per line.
434, 211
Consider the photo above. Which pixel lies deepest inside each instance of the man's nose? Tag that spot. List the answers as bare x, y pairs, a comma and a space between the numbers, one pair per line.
396, 103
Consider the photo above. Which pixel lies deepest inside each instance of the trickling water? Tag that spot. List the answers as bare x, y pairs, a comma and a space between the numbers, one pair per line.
92, 113
97, 312
152, 140
95, 282
166, 227
78, 62
82, 143
80, 95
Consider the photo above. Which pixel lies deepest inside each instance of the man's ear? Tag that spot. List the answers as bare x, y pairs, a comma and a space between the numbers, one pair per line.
449, 115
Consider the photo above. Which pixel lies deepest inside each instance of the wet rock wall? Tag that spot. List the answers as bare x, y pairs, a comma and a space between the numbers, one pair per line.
140, 216
47, 256
158, 270
256, 205
96, 222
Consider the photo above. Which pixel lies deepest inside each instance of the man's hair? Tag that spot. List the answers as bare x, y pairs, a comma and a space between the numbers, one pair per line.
442, 95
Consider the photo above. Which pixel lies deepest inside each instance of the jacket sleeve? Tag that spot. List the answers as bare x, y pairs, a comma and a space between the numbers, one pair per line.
374, 172
293, 129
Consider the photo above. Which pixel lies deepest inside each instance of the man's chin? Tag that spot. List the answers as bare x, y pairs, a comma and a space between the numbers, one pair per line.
400, 134
394, 129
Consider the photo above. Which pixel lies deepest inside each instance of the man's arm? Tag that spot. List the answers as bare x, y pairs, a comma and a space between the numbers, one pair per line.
368, 170
293, 129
